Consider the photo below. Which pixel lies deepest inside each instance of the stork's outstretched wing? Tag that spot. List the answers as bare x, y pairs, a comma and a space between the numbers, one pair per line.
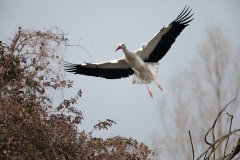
114, 69
158, 46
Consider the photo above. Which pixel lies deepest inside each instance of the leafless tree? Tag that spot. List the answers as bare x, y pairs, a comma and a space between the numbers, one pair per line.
197, 96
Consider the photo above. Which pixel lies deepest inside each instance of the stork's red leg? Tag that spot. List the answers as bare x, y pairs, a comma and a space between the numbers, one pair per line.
155, 81
149, 92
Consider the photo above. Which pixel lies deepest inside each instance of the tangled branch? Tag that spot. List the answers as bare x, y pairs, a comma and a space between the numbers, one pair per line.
209, 153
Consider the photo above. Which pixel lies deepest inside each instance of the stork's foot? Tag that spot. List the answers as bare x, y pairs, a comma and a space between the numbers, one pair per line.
150, 93
160, 87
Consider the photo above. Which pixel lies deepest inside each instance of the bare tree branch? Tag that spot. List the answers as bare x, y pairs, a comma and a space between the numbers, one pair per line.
230, 126
191, 143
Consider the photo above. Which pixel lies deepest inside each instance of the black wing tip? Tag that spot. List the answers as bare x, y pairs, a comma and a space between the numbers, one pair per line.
69, 67
184, 17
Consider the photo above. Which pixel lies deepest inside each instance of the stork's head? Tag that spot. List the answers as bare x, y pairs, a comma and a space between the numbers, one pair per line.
121, 46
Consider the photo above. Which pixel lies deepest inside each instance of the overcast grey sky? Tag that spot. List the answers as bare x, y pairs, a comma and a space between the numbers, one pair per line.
102, 25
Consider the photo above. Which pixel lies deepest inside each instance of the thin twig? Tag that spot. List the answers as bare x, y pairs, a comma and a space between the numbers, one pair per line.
204, 153
228, 132
205, 138
191, 143
14, 42
227, 156
84, 50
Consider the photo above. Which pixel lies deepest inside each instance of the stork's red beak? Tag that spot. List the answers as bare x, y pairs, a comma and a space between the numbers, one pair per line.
119, 47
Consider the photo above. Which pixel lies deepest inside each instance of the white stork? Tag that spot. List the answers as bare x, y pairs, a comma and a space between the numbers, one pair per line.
143, 63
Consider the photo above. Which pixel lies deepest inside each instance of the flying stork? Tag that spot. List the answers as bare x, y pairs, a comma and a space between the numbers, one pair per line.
143, 63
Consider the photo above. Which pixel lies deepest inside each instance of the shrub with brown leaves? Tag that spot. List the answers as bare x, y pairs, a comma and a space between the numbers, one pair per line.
30, 128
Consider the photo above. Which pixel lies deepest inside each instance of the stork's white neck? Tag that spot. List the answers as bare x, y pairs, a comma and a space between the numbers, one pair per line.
127, 52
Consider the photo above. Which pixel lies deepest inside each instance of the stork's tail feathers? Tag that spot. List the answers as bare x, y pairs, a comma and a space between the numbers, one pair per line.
137, 79
152, 68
